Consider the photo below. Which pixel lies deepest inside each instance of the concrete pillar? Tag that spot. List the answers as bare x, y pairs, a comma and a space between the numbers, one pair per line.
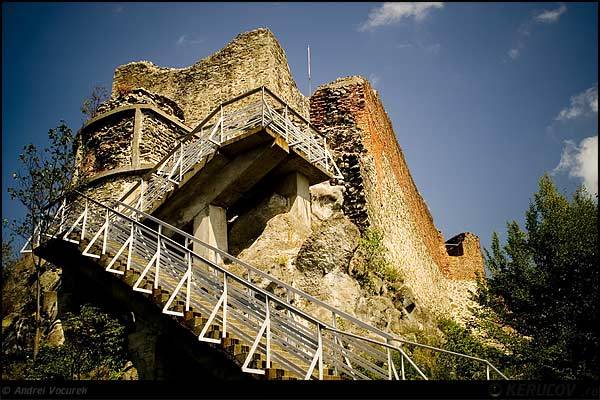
210, 226
295, 188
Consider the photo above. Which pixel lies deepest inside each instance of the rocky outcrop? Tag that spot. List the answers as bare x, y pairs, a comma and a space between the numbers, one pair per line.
330, 247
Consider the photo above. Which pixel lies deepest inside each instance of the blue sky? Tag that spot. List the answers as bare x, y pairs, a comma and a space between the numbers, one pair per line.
484, 98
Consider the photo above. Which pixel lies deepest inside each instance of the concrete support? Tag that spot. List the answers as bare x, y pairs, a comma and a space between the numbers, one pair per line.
295, 188
210, 226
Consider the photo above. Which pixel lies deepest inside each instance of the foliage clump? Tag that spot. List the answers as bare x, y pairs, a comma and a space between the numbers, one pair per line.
542, 301
94, 348
373, 252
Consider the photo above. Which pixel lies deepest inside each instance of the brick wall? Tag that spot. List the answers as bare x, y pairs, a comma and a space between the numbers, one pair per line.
465, 257
381, 193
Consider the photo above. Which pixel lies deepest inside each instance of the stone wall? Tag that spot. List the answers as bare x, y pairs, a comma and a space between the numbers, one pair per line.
117, 144
110, 188
141, 96
158, 137
106, 145
465, 258
252, 59
380, 192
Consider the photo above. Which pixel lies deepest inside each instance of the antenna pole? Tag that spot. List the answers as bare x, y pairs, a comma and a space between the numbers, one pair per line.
309, 85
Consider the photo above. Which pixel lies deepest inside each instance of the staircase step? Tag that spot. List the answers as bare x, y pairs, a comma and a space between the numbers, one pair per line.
229, 341
279, 374
238, 349
241, 357
213, 327
196, 321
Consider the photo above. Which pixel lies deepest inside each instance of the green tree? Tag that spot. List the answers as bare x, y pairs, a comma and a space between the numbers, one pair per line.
89, 106
542, 299
94, 348
44, 178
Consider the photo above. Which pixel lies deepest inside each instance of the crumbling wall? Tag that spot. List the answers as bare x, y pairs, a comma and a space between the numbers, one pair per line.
380, 192
252, 59
158, 137
141, 96
465, 261
127, 142
106, 145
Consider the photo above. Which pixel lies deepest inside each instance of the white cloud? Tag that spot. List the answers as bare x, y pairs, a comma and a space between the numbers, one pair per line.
403, 45
551, 16
118, 9
582, 104
526, 29
389, 13
185, 40
581, 161
374, 79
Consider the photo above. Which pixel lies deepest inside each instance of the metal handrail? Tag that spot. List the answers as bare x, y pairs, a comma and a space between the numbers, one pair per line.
335, 312
322, 326
216, 110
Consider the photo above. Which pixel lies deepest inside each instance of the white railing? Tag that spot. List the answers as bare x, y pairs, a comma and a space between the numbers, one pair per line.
294, 339
262, 109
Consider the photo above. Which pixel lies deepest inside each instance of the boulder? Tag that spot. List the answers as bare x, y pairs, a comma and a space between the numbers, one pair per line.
250, 225
331, 246
326, 199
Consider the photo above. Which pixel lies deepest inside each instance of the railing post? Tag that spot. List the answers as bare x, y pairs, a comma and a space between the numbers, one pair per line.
85, 213
268, 318
221, 136
189, 282
287, 135
157, 270
105, 238
62, 215
320, 341
142, 195
130, 250
487, 371
334, 324
402, 366
225, 313
389, 360
263, 106
181, 163
309, 142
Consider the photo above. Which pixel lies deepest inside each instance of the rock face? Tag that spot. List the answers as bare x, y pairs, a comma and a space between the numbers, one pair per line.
324, 261
331, 246
250, 225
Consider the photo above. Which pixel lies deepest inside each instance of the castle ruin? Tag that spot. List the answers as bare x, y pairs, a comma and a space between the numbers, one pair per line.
252, 177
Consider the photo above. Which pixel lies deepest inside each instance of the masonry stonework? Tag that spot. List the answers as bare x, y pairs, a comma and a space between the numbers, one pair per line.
130, 133
380, 192
251, 60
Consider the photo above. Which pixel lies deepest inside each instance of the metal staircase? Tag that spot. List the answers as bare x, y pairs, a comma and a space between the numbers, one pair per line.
267, 333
